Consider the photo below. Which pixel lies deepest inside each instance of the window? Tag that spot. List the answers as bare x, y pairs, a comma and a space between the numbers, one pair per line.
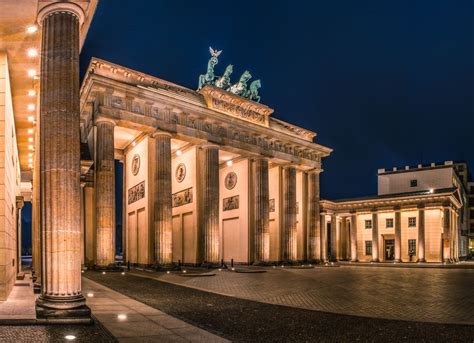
412, 222
413, 183
368, 248
368, 224
412, 247
389, 223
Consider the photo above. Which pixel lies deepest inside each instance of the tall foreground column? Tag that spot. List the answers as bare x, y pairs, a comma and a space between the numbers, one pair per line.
208, 178
421, 234
314, 246
61, 298
398, 235
353, 233
324, 237
162, 198
105, 192
261, 210
375, 237
288, 247
334, 250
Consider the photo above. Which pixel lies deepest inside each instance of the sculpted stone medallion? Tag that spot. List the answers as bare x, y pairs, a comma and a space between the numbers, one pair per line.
180, 172
230, 180
135, 164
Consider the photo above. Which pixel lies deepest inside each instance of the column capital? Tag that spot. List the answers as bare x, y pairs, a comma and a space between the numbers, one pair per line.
61, 6
420, 206
160, 134
314, 171
397, 208
209, 145
105, 120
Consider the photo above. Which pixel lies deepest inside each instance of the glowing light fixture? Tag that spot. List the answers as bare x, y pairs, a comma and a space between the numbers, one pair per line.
31, 107
134, 143
103, 273
31, 118
31, 73
229, 163
31, 92
31, 155
31, 147
32, 52
90, 295
431, 190
30, 139
30, 131
122, 273
32, 29
122, 316
179, 152
30, 160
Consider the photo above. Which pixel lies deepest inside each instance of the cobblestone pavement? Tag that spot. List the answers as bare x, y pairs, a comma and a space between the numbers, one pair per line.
242, 320
429, 295
55, 333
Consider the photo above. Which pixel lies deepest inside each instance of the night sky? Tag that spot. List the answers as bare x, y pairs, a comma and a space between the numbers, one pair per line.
383, 83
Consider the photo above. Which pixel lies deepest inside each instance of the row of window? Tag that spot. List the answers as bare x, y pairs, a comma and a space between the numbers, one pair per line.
389, 223
411, 247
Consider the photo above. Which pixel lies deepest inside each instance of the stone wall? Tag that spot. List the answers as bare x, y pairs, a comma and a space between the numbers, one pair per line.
9, 184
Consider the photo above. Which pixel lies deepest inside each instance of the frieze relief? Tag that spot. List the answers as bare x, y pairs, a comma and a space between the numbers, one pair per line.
272, 205
183, 197
231, 203
215, 128
136, 193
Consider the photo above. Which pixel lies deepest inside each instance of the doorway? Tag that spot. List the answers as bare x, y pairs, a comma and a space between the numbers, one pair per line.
389, 249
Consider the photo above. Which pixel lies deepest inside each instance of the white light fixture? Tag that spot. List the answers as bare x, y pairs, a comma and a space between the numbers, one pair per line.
431, 190
30, 166
31, 155
103, 273
30, 131
32, 29
229, 163
167, 272
30, 139
122, 316
134, 143
31, 118
30, 160
123, 273
31, 147
32, 52
179, 152
31, 73
31, 107
31, 92
90, 295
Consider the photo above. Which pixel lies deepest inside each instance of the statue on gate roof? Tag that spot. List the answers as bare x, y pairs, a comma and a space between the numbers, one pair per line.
208, 78
224, 81
240, 88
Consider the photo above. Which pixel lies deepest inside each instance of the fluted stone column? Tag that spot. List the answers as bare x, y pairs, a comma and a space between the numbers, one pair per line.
334, 250
398, 235
446, 234
105, 192
314, 246
162, 198
324, 236
208, 178
61, 298
289, 237
375, 237
421, 234
261, 211
353, 233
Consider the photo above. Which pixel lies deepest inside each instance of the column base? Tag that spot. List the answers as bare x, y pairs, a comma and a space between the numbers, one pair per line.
374, 260
421, 260
67, 310
397, 260
354, 260
37, 288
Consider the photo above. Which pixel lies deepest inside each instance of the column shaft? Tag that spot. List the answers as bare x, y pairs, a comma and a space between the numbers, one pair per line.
60, 169
261, 211
289, 214
162, 199
208, 204
334, 250
446, 234
421, 235
353, 233
398, 236
324, 235
375, 237
313, 217
105, 193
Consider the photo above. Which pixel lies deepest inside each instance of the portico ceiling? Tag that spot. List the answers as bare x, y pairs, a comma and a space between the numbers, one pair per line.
20, 37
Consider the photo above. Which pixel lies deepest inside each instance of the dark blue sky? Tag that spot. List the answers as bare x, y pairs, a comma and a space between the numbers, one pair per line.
383, 83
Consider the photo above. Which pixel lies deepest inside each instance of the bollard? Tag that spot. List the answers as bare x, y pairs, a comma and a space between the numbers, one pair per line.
232, 263
128, 265
179, 263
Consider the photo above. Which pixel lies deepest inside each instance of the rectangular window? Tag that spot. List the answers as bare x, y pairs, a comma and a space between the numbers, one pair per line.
368, 248
368, 224
412, 222
413, 183
389, 223
412, 247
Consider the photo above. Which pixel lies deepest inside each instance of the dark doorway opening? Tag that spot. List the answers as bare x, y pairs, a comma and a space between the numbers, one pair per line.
389, 250
26, 239
118, 210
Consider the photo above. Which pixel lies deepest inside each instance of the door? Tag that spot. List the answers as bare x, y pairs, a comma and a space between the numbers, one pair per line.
189, 238
274, 245
232, 247
142, 230
389, 249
